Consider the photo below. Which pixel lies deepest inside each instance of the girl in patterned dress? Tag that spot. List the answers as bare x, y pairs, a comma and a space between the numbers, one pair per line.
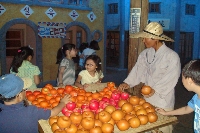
66, 72
22, 66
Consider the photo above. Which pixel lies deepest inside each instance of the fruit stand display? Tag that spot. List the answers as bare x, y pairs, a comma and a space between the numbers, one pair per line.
102, 108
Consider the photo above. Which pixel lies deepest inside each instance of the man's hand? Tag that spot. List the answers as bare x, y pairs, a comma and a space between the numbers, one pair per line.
123, 86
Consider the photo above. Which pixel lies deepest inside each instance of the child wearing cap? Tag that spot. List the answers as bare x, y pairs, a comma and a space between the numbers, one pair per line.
15, 116
191, 81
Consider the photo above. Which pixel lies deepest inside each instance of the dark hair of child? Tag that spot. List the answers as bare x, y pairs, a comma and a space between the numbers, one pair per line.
62, 51
10, 99
192, 70
22, 54
94, 45
83, 46
96, 60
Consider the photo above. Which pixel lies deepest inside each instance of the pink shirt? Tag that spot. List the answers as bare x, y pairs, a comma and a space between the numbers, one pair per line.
161, 71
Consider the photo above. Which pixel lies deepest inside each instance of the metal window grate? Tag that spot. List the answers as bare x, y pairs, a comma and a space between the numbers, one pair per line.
189, 9
154, 7
113, 8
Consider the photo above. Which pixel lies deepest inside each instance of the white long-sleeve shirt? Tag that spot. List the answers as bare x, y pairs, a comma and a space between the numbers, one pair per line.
161, 71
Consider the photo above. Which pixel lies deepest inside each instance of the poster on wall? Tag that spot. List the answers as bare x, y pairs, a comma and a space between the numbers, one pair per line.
51, 30
135, 14
2, 9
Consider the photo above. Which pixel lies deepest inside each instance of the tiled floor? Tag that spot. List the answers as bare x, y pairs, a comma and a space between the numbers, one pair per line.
185, 124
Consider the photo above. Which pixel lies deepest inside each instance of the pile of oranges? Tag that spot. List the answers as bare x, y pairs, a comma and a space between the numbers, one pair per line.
48, 97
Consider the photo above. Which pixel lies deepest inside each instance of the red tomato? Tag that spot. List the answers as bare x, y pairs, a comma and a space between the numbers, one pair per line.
45, 90
60, 90
31, 97
68, 88
28, 93
36, 93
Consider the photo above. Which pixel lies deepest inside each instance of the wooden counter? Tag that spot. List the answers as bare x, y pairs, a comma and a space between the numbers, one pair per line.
162, 121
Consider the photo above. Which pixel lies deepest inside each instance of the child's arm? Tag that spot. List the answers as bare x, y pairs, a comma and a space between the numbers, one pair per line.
180, 111
99, 80
60, 76
62, 103
36, 79
78, 82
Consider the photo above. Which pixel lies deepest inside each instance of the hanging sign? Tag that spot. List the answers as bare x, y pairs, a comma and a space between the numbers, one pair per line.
2, 9
135, 14
51, 30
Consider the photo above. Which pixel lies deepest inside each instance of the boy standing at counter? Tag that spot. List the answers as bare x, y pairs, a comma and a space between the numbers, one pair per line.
16, 117
191, 81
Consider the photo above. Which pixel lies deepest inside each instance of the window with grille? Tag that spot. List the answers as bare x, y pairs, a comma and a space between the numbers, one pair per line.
154, 7
113, 8
186, 46
189, 9
14, 40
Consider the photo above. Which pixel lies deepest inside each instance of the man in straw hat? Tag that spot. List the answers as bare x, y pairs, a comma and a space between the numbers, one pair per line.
158, 67
15, 116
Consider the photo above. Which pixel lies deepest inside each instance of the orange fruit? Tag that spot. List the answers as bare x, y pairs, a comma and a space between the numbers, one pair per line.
109, 92
40, 95
52, 100
44, 104
53, 91
49, 86
73, 93
106, 95
102, 93
106, 89
82, 90
73, 99
89, 98
95, 95
81, 93
54, 104
88, 94
60, 90
40, 99
34, 102
80, 98
57, 98
48, 97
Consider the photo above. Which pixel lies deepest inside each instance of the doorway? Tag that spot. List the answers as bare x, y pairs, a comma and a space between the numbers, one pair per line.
17, 36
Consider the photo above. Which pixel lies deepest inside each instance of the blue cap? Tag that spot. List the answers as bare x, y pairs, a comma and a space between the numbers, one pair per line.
10, 85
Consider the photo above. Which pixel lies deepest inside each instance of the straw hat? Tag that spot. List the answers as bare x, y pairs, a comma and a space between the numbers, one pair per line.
153, 30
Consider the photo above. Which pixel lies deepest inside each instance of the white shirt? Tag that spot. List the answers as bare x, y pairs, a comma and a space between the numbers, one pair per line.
160, 70
88, 79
